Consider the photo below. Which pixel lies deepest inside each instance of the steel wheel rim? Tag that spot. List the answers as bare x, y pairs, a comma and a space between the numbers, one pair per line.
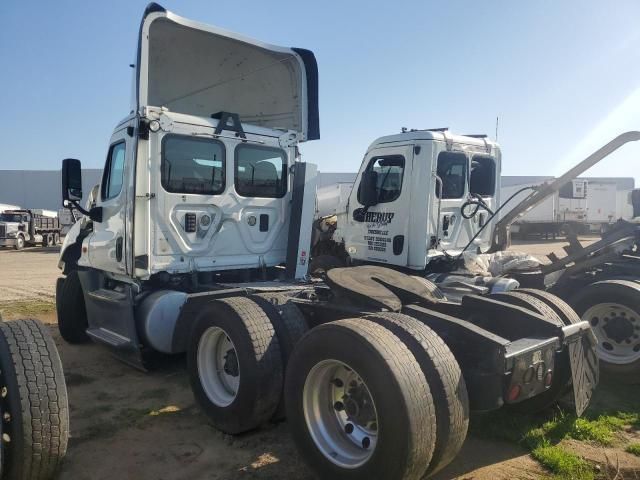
340, 413
617, 328
217, 358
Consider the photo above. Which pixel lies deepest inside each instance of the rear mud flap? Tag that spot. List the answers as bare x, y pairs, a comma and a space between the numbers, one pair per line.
584, 369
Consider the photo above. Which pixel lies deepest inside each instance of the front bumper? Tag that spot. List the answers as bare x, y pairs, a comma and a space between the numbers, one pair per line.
7, 242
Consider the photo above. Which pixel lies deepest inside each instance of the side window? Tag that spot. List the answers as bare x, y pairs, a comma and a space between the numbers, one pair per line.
260, 171
452, 170
389, 172
113, 171
192, 165
482, 180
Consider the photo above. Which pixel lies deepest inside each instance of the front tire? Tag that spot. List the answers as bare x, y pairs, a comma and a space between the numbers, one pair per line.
19, 243
358, 404
34, 403
235, 364
71, 310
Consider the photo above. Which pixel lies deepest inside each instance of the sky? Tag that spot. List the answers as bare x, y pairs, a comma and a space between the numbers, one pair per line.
563, 77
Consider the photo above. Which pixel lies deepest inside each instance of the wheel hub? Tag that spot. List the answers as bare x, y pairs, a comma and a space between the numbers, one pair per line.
218, 366
618, 329
231, 363
340, 413
358, 405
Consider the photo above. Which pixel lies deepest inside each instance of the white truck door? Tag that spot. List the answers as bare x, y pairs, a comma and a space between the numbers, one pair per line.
379, 233
107, 242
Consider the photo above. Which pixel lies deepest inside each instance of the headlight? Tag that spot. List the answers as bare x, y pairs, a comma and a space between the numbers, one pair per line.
12, 234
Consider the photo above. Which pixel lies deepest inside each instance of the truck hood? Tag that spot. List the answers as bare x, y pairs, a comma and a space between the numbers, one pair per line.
197, 69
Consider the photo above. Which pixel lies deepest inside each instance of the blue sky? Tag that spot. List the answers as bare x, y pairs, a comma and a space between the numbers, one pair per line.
564, 77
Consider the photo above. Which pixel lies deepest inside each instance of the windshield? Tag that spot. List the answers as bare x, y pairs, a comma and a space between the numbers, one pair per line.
9, 217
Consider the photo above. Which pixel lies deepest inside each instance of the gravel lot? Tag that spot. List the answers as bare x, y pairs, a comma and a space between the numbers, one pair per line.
28, 274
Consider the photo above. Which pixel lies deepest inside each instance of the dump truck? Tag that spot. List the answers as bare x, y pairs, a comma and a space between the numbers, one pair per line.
424, 201
23, 227
198, 241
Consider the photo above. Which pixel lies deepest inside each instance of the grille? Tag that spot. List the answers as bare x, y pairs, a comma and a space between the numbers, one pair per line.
3, 231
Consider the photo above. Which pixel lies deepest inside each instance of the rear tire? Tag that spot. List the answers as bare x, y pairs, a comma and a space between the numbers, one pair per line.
346, 381
56, 239
34, 403
235, 364
566, 313
445, 380
290, 326
619, 301
71, 310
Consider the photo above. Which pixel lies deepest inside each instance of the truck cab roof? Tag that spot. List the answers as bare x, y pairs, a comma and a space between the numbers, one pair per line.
409, 136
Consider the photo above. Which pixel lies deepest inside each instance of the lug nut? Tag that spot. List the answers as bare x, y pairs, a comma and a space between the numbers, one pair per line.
337, 382
348, 428
338, 406
366, 442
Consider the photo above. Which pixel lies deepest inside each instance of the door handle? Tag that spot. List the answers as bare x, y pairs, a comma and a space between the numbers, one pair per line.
119, 249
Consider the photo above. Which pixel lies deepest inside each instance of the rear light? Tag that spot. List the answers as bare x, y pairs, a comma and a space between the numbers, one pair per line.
548, 378
528, 375
514, 393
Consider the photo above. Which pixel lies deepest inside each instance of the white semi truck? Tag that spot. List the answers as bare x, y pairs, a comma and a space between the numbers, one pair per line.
197, 241
423, 198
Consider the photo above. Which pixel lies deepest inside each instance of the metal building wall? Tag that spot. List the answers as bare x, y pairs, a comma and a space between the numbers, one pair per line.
40, 188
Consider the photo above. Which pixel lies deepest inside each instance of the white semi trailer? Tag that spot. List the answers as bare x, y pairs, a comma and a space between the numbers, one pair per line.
198, 242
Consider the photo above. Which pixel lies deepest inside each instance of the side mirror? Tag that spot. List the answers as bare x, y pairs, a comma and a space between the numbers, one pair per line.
71, 180
368, 195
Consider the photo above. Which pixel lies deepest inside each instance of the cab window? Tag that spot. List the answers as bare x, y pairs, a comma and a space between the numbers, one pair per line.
114, 171
260, 171
452, 170
192, 165
482, 180
389, 173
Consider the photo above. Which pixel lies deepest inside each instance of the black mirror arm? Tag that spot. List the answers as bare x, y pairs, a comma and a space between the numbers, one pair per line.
95, 213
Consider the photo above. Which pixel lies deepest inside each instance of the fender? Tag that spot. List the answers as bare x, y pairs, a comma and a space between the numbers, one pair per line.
71, 247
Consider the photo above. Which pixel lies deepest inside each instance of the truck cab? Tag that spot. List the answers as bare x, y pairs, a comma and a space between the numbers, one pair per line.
14, 228
416, 198
198, 178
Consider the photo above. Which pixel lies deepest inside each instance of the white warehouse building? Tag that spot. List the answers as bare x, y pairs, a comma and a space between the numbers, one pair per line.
41, 188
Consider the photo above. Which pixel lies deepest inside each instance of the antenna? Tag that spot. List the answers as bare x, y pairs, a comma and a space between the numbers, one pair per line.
497, 122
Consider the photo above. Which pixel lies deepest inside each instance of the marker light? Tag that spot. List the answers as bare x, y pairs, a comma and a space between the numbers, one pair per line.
514, 393
548, 378
154, 125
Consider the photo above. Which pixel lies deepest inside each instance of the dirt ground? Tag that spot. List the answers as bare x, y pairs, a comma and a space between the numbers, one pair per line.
28, 274
127, 424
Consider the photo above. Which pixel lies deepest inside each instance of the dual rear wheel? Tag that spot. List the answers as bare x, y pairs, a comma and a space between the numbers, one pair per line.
356, 392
